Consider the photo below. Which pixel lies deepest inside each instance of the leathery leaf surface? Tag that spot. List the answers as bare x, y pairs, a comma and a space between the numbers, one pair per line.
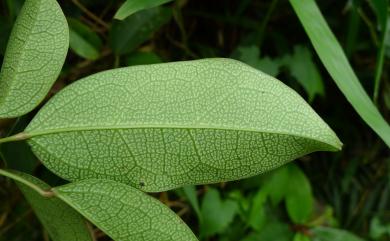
34, 57
124, 213
158, 127
60, 221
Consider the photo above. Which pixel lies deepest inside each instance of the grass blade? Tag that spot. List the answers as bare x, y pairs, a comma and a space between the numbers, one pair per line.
335, 61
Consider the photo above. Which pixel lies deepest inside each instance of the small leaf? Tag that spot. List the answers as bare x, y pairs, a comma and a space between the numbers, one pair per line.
124, 213
83, 40
34, 57
332, 234
378, 229
61, 222
335, 61
217, 214
277, 185
269, 66
158, 127
127, 35
257, 216
250, 55
132, 6
305, 71
190, 194
299, 199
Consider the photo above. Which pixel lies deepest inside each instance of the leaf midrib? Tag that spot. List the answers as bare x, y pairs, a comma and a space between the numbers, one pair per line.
31, 134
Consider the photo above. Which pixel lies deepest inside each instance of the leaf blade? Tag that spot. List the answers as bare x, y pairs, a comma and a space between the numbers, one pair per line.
335, 61
163, 130
132, 6
137, 216
138, 28
83, 41
61, 222
34, 57
299, 198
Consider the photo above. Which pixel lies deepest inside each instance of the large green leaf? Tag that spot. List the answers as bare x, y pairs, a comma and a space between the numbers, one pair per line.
133, 6
335, 61
61, 221
127, 35
34, 57
158, 127
124, 213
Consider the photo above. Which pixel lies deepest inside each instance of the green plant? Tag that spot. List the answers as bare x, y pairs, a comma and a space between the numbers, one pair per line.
150, 128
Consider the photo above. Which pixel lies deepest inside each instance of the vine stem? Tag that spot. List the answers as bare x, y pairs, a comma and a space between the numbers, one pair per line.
44, 193
18, 137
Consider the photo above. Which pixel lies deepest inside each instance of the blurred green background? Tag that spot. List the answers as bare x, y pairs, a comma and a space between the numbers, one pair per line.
342, 196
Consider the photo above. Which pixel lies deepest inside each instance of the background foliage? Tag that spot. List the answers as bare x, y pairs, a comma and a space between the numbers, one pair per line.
314, 199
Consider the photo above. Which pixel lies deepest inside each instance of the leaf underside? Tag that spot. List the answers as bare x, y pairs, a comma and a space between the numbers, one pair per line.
124, 213
34, 57
158, 127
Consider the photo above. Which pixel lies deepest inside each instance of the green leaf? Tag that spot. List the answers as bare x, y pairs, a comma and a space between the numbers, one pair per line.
332, 234
277, 185
34, 57
190, 194
304, 70
250, 55
217, 214
158, 127
299, 199
61, 222
127, 35
335, 61
257, 216
141, 58
132, 6
378, 229
124, 213
83, 40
